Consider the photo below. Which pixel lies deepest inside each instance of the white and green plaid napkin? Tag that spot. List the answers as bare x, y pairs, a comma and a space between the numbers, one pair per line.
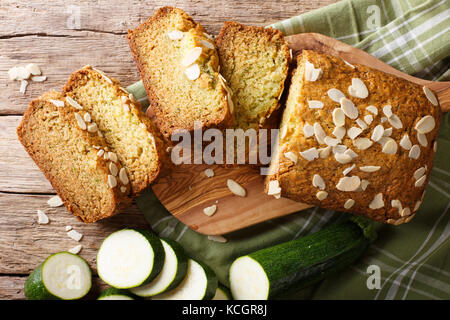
412, 36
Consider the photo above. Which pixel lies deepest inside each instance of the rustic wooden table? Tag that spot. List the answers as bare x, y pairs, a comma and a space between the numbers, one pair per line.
49, 34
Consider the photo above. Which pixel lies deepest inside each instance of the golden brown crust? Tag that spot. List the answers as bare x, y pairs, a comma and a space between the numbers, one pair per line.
394, 180
34, 138
79, 79
159, 110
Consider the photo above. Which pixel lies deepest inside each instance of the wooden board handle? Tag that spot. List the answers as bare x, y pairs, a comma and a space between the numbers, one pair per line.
319, 42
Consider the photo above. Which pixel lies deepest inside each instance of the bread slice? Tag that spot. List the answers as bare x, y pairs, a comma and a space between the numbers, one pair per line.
178, 64
132, 137
255, 63
379, 161
72, 158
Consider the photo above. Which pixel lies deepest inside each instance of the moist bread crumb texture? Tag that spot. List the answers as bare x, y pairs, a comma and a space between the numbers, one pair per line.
179, 65
56, 136
130, 135
355, 139
254, 62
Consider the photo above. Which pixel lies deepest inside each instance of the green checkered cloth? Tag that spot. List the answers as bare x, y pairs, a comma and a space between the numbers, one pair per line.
412, 36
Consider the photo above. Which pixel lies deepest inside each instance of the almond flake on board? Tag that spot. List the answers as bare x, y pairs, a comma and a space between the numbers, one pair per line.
236, 188
42, 217
220, 239
209, 173
209, 211
76, 249
55, 201
75, 235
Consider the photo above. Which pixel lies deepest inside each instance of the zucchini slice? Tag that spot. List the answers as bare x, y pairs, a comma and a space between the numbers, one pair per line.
301, 262
222, 293
200, 283
115, 294
62, 275
173, 272
130, 258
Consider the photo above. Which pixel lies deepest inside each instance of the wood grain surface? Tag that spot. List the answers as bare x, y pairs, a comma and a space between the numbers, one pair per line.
42, 32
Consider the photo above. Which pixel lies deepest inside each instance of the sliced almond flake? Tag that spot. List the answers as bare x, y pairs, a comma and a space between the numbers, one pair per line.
87, 117
349, 108
329, 141
23, 73
377, 202
123, 177
308, 130
340, 148
342, 158
315, 104
387, 110
220, 239
362, 143
318, 182
175, 35
274, 188
349, 203
42, 217
396, 204
23, 86
230, 102
126, 107
192, 72
209, 211
191, 56
100, 153
76, 249
73, 103
361, 124
358, 89
435, 146
311, 73
112, 156
430, 96
324, 152
291, 156
377, 133
353, 132
80, 121
390, 147
75, 235
417, 206
92, 127
283, 132
372, 109
13, 73
405, 142
55, 201
422, 138
335, 95
364, 184
209, 173
348, 184
395, 121
123, 189
383, 119
113, 169
425, 125
57, 103
310, 154
236, 188
38, 78
419, 183
104, 76
414, 153
387, 132
207, 44
368, 119
347, 170
405, 212
339, 132
369, 168
112, 181
351, 153
290, 54
319, 133
338, 117
349, 64
68, 228
322, 195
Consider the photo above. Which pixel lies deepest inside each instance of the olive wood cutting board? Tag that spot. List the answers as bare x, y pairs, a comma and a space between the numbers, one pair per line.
187, 190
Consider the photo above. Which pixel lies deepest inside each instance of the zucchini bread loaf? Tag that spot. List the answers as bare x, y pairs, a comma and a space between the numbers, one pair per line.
254, 61
64, 145
355, 139
178, 63
133, 139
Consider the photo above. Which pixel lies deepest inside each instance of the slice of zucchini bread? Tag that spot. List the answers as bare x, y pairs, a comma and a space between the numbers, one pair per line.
60, 139
255, 63
132, 137
178, 63
355, 139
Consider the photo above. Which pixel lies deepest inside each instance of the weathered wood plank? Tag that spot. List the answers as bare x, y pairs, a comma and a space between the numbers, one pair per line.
24, 243
43, 32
